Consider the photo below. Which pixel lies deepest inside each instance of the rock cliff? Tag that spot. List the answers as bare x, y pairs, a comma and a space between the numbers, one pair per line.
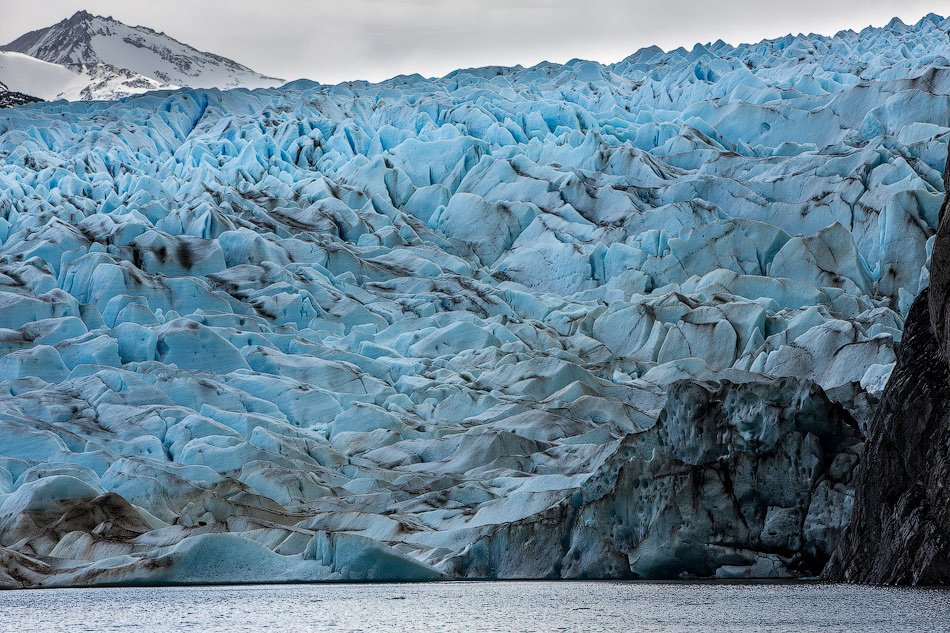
900, 531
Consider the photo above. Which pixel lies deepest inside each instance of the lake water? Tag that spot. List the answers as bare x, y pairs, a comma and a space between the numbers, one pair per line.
479, 606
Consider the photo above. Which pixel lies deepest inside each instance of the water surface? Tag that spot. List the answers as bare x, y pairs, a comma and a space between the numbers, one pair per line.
479, 606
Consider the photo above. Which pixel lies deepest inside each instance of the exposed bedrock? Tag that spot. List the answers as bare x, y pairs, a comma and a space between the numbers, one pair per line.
900, 533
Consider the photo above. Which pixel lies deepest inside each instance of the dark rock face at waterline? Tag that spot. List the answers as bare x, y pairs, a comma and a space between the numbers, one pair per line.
901, 523
900, 530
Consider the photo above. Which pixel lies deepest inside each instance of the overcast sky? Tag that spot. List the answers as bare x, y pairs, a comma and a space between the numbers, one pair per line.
337, 40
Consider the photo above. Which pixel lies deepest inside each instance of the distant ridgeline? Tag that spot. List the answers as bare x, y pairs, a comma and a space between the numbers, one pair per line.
567, 321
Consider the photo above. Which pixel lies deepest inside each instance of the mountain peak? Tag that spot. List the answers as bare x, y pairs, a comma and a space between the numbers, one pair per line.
85, 40
81, 20
84, 17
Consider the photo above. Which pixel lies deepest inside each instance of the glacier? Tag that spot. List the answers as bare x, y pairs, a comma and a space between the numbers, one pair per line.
566, 321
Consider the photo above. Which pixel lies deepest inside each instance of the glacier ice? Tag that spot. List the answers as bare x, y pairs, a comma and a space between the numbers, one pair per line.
571, 320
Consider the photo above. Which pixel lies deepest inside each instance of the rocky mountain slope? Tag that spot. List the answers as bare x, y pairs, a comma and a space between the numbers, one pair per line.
87, 57
562, 321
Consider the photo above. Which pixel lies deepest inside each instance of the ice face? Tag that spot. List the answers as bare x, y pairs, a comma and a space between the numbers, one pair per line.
564, 321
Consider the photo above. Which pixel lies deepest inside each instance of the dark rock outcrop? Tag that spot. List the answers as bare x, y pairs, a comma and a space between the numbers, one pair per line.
900, 530
9, 98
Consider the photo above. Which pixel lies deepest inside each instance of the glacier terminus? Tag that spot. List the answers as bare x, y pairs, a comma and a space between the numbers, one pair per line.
569, 321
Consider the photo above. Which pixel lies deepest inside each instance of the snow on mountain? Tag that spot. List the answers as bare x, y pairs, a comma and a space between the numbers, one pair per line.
89, 40
577, 320
42, 79
54, 81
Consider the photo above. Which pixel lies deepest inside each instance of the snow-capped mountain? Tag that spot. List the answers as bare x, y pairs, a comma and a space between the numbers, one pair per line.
579, 320
90, 57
